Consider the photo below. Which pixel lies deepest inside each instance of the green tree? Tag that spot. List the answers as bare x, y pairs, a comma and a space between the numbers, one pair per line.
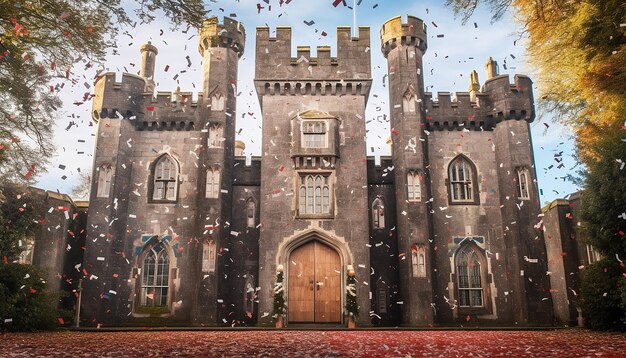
601, 296
40, 44
25, 302
18, 219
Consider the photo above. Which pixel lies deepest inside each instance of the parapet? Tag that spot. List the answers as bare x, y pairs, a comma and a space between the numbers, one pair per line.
230, 34
499, 101
409, 33
127, 100
274, 60
114, 97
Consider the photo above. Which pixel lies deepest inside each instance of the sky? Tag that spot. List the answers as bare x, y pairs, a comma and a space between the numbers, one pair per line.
454, 50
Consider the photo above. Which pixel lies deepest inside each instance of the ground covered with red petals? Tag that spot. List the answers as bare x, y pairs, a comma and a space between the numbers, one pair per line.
395, 343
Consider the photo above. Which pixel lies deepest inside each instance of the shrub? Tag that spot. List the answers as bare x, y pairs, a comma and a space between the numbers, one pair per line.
601, 296
25, 303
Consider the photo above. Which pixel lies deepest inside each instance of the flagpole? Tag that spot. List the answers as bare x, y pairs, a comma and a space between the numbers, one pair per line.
354, 15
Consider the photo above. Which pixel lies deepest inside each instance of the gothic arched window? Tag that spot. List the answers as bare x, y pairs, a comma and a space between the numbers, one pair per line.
155, 276
409, 101
209, 254
105, 174
165, 179
469, 272
217, 102
462, 179
216, 136
249, 295
250, 213
212, 189
523, 191
413, 186
378, 214
418, 260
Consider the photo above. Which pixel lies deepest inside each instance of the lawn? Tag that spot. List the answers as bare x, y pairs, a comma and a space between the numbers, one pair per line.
557, 343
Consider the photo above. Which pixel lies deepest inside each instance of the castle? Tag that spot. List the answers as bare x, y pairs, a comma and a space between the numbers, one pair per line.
181, 227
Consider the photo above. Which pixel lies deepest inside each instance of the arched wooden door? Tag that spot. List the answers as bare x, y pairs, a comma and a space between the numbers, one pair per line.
314, 284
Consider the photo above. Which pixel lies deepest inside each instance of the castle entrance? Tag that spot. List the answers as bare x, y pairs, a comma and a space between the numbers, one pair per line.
314, 284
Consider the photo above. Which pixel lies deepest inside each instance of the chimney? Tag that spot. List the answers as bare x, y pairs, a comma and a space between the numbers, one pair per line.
148, 61
491, 68
474, 86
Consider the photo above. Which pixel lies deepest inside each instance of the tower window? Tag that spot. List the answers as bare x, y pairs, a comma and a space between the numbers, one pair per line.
522, 184
413, 186
212, 189
155, 278
314, 194
249, 295
462, 178
250, 213
418, 261
165, 179
378, 214
314, 134
469, 276
408, 102
209, 253
216, 136
217, 102
105, 175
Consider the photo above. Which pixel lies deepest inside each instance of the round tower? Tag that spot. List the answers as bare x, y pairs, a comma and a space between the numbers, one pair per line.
404, 44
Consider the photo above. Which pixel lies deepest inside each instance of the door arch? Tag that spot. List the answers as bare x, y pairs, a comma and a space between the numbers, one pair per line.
314, 283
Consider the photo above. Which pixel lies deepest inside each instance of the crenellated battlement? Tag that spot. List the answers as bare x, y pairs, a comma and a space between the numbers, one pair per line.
127, 100
230, 34
499, 101
413, 32
274, 60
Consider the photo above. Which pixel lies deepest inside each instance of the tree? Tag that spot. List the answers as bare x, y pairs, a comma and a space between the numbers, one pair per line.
40, 43
25, 302
18, 220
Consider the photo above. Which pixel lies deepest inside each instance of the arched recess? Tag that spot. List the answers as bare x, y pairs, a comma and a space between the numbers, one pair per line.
472, 257
338, 245
140, 309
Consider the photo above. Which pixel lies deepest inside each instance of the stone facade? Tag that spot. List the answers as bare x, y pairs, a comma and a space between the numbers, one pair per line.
444, 231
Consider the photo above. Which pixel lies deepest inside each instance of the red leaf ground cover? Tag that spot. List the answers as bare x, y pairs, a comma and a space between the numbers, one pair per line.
558, 343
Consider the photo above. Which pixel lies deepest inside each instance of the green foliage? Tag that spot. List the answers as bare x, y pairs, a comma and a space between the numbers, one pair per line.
604, 197
40, 43
24, 299
601, 296
352, 307
17, 219
279, 295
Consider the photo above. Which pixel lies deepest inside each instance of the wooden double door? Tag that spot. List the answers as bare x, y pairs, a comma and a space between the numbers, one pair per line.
314, 284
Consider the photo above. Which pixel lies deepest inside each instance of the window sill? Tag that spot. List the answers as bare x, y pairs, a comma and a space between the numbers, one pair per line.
315, 216
150, 311
162, 201
464, 203
473, 310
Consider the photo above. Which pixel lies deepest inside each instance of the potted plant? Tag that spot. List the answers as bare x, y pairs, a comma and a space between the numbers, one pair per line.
352, 307
279, 297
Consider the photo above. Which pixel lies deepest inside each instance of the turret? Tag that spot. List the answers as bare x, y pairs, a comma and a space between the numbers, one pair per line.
491, 67
221, 45
474, 87
148, 61
404, 44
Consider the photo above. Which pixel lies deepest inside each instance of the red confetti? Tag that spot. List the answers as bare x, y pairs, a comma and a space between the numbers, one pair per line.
150, 108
